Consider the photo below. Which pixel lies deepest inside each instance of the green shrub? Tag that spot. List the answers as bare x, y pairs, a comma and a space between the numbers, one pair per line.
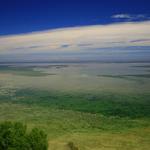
72, 146
37, 140
14, 136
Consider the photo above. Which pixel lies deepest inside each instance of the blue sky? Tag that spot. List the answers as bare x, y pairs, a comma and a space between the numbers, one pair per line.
48, 30
21, 16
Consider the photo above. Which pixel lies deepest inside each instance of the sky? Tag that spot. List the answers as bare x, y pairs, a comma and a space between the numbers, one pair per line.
91, 30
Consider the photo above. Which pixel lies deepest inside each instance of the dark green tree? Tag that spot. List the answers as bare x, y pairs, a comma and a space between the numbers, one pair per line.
37, 140
14, 136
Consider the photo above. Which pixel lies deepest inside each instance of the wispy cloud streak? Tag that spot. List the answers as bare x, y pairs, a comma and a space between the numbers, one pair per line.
131, 17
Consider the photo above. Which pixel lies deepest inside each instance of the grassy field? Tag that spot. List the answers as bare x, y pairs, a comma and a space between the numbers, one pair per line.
97, 119
102, 121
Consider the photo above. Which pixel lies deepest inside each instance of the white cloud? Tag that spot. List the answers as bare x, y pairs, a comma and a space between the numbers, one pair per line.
122, 16
78, 38
131, 17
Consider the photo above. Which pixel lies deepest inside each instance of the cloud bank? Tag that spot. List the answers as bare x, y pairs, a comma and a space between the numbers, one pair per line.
65, 42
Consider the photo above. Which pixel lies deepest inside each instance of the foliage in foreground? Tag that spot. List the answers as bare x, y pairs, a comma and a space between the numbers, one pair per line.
14, 136
72, 146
